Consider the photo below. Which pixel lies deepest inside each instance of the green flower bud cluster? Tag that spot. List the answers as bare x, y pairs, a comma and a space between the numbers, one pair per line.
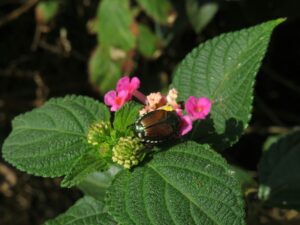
128, 152
98, 132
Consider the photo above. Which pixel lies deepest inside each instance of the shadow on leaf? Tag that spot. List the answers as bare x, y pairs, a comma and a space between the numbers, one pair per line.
204, 132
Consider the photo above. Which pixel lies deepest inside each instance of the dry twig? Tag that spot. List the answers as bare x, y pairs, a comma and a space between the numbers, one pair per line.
18, 12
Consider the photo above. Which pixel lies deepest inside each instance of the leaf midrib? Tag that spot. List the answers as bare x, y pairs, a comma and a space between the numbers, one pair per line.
229, 73
186, 196
48, 154
72, 114
19, 129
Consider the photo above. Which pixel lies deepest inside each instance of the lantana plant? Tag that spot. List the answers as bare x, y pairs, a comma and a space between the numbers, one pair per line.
184, 180
129, 151
196, 109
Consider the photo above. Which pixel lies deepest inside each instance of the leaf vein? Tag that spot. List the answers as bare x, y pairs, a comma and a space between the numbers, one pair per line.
187, 197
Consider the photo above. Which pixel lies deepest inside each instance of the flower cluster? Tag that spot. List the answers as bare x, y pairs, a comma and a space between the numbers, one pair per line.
97, 136
96, 131
128, 152
124, 92
195, 108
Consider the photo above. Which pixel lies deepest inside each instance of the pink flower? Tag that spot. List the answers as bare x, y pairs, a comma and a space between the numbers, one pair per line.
125, 84
156, 100
144, 110
115, 99
179, 111
186, 125
153, 101
198, 108
172, 96
126, 87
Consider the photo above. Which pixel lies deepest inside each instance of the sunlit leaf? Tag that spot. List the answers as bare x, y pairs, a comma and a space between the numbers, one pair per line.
87, 211
223, 69
48, 140
187, 184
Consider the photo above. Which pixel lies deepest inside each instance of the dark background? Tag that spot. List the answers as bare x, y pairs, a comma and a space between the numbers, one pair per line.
29, 75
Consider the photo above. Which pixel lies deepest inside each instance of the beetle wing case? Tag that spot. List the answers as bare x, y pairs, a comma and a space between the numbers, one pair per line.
158, 126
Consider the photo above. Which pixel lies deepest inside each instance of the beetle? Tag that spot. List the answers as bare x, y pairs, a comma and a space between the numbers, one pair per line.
157, 126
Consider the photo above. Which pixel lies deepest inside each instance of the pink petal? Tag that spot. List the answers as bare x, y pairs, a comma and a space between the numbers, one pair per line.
190, 105
115, 108
134, 84
186, 125
205, 105
127, 84
109, 97
118, 103
123, 84
125, 95
198, 108
156, 100
115, 100
179, 112
120, 100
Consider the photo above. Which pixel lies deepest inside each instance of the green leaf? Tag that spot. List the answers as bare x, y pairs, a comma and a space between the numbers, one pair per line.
201, 14
87, 211
224, 69
270, 140
96, 184
279, 173
159, 10
48, 140
147, 41
45, 11
85, 165
115, 20
187, 184
126, 116
104, 72
244, 177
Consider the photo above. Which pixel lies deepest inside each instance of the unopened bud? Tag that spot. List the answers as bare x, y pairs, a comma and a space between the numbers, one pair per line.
97, 132
128, 152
